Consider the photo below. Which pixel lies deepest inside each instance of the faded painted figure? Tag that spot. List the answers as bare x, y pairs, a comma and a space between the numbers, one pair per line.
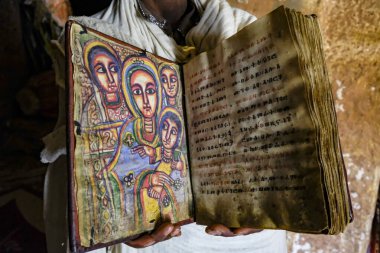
155, 198
144, 98
170, 81
106, 104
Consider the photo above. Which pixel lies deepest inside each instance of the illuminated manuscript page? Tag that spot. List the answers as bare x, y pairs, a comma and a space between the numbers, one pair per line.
129, 167
252, 142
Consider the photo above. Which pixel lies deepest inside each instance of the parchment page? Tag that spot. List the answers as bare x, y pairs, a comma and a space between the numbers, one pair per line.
252, 142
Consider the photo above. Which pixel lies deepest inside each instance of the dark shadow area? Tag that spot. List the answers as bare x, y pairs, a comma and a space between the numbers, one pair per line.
88, 7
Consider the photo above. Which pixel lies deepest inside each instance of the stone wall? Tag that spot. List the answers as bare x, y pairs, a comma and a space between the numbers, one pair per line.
351, 34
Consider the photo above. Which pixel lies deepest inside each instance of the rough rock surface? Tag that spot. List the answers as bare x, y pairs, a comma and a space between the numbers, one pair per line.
351, 34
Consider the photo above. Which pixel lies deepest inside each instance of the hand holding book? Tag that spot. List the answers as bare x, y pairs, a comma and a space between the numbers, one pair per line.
164, 232
167, 230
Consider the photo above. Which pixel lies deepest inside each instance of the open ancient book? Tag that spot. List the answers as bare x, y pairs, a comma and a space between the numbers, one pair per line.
244, 135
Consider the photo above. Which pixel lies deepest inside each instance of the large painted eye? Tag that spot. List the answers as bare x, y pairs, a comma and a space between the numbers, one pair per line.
164, 79
173, 79
137, 92
165, 127
174, 131
150, 91
101, 69
114, 68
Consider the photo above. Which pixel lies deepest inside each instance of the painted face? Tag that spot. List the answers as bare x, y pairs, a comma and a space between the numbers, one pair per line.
169, 80
169, 133
106, 72
144, 92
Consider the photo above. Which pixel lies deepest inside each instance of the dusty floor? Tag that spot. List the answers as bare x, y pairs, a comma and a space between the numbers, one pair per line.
352, 46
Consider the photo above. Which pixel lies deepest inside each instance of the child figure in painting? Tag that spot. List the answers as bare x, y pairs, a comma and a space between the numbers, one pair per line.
106, 104
170, 82
155, 198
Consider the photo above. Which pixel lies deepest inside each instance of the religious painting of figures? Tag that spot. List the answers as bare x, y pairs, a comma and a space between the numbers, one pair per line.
129, 168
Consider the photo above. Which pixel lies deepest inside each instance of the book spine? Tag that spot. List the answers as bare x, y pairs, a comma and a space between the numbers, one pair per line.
70, 144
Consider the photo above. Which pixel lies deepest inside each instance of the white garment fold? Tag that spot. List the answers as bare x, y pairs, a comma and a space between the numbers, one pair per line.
55, 145
123, 20
195, 240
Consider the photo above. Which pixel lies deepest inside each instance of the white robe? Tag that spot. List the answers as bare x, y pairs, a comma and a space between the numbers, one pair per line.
122, 20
